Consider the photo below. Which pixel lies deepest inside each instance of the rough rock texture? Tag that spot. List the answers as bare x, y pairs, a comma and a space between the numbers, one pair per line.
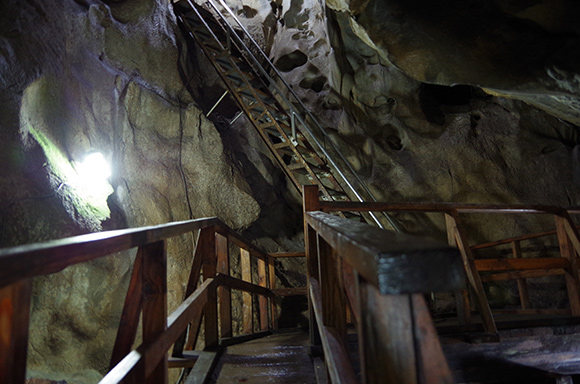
78, 76
112, 76
382, 73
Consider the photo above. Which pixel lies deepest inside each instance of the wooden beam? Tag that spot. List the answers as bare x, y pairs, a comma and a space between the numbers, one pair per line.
147, 356
234, 283
263, 300
154, 278
396, 263
14, 325
386, 342
431, 363
248, 317
290, 291
332, 291
434, 207
522, 285
336, 357
310, 203
203, 237
525, 274
41, 259
287, 254
511, 240
501, 265
567, 251
454, 223
131, 310
187, 360
271, 286
224, 293
209, 270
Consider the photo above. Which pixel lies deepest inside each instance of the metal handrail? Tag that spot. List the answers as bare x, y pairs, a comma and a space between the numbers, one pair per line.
292, 107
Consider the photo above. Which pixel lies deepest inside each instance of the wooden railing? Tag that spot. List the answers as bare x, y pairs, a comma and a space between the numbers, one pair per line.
379, 276
517, 268
147, 295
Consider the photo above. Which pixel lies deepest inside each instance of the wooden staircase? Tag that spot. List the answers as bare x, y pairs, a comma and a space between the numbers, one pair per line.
305, 154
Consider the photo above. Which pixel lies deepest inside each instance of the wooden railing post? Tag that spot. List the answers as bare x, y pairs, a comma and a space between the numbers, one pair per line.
131, 311
563, 226
262, 282
210, 311
332, 289
155, 302
248, 317
311, 203
272, 286
14, 323
224, 293
204, 236
522, 285
461, 296
454, 225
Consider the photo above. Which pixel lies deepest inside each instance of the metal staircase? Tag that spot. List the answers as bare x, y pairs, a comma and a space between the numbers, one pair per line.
297, 141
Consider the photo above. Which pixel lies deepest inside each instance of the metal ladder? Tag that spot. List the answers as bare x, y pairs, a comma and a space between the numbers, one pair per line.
306, 156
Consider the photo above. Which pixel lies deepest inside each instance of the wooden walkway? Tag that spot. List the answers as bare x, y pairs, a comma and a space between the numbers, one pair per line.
278, 358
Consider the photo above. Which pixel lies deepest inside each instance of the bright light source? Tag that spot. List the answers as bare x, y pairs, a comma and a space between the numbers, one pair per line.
94, 168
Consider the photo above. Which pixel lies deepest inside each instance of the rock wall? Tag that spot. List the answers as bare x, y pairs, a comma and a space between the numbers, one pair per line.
113, 76
81, 76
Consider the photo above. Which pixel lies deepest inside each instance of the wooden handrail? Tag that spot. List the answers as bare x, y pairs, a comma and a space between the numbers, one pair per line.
380, 275
147, 293
568, 242
395, 263
26, 261
438, 207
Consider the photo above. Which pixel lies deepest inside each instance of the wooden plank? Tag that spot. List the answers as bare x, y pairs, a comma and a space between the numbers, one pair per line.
290, 291
14, 325
511, 240
522, 285
454, 222
32, 260
271, 286
394, 262
336, 357
131, 310
248, 318
434, 207
350, 281
187, 360
204, 236
287, 254
386, 342
209, 269
431, 362
234, 283
332, 291
224, 292
243, 338
147, 356
202, 370
567, 251
525, 274
154, 296
310, 203
533, 311
262, 300
497, 265
461, 295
